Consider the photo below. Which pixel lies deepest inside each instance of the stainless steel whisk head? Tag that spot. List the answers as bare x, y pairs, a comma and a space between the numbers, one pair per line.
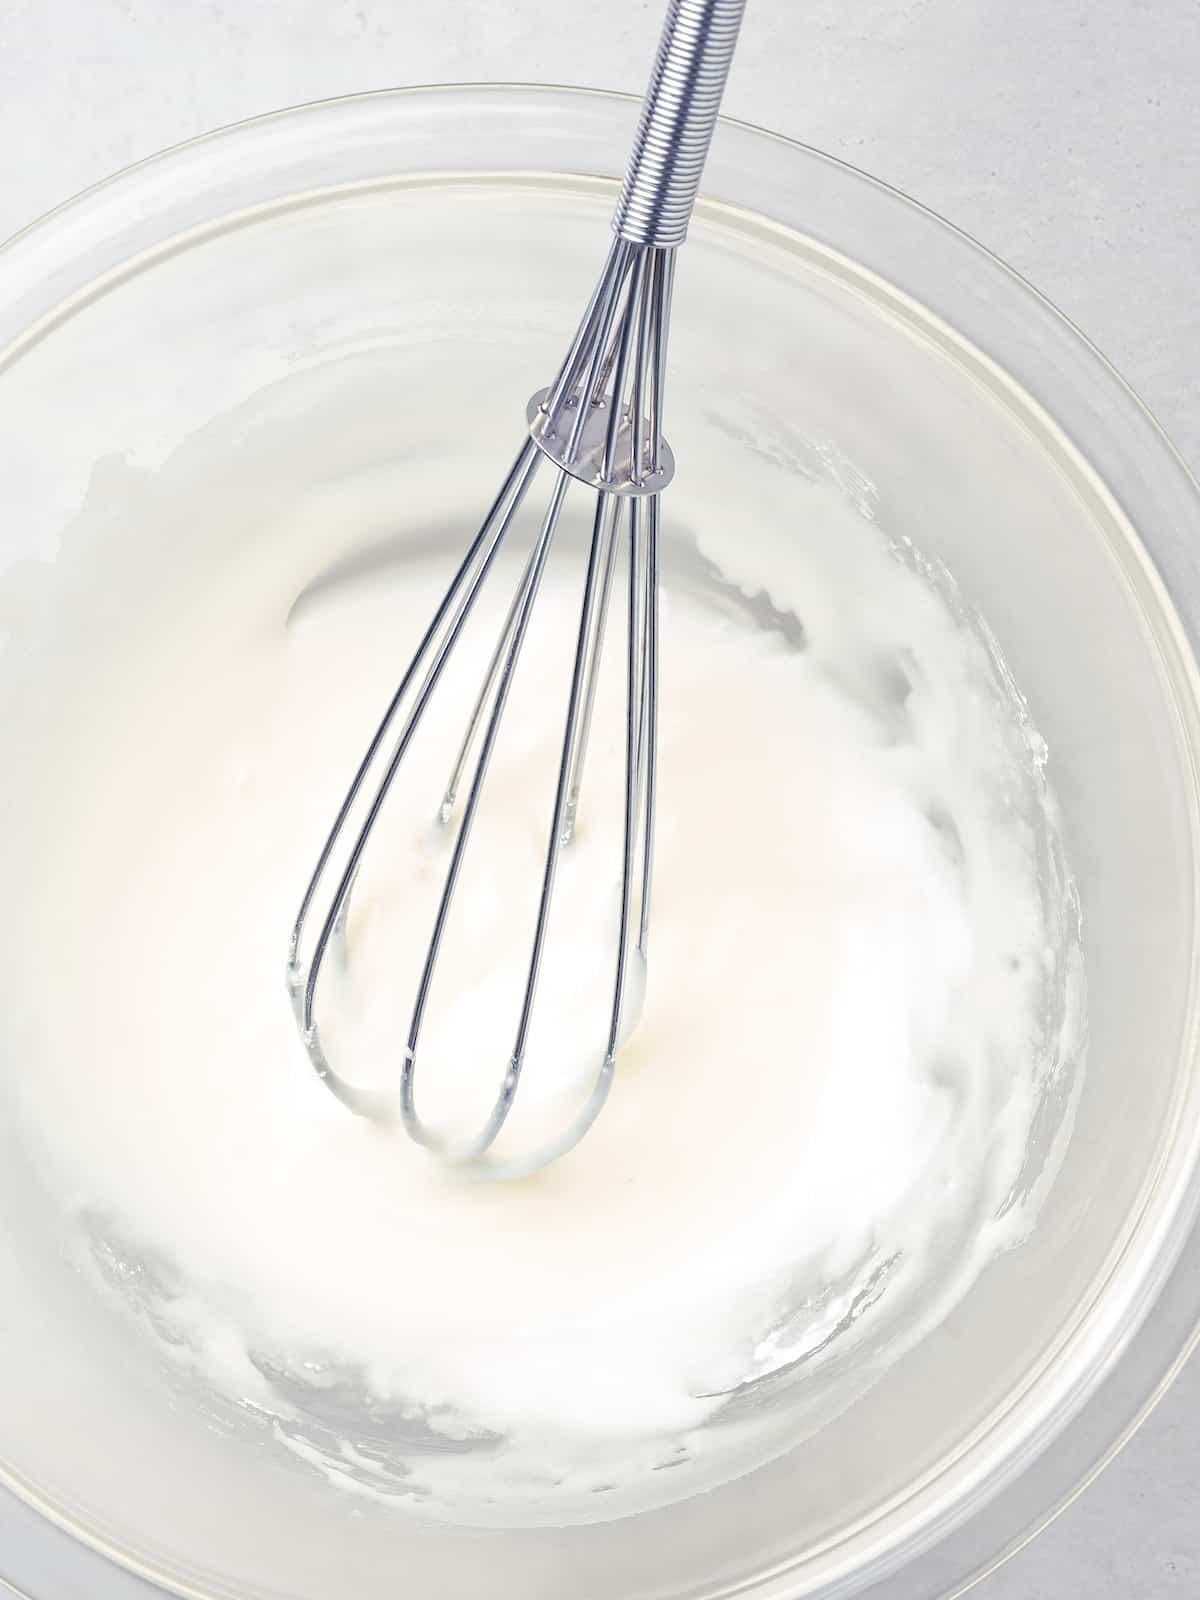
600, 423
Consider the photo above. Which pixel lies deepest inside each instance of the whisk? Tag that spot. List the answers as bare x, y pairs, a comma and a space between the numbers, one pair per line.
600, 423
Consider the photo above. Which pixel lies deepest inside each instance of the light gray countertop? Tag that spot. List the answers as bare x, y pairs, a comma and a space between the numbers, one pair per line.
1064, 137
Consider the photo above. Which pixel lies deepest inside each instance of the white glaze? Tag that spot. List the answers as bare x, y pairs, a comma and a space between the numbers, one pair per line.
816, 1134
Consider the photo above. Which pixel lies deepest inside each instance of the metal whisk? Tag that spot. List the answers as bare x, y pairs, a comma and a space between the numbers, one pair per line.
600, 423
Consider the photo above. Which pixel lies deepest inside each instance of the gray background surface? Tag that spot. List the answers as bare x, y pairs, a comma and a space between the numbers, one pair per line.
1065, 136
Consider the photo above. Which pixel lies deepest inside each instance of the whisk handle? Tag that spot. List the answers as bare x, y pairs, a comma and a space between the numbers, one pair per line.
679, 114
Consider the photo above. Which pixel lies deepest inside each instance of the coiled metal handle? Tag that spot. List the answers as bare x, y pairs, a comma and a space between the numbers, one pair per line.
679, 114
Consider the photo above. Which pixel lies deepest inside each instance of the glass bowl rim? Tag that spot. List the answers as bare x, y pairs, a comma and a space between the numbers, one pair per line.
1142, 1370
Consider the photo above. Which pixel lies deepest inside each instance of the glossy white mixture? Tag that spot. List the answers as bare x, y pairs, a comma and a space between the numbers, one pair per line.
819, 1133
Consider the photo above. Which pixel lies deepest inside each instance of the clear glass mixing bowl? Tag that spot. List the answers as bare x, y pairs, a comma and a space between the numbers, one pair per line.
1001, 443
